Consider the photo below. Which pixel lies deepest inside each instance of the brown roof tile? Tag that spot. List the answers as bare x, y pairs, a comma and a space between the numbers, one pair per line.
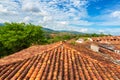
60, 63
111, 53
27, 53
107, 39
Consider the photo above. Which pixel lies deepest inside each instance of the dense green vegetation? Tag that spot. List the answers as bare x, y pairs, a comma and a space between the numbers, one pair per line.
17, 36
93, 35
60, 37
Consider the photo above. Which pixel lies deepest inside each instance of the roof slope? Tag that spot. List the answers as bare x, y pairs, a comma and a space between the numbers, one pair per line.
59, 63
111, 53
27, 53
85, 50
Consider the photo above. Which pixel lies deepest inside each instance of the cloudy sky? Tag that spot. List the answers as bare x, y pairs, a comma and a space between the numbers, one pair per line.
89, 16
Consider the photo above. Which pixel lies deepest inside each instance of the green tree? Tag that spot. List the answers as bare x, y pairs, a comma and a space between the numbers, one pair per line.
17, 36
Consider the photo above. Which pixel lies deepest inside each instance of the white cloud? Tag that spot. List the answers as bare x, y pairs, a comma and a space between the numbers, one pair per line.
64, 23
30, 6
114, 31
81, 22
47, 18
109, 23
101, 31
27, 19
3, 21
79, 3
108, 19
43, 13
115, 14
3, 9
8, 7
83, 30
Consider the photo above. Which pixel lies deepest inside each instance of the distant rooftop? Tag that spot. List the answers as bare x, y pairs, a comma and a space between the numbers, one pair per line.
107, 39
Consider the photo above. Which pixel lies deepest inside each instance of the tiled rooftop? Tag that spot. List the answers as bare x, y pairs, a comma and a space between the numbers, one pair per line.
110, 41
107, 39
85, 50
27, 53
59, 63
112, 54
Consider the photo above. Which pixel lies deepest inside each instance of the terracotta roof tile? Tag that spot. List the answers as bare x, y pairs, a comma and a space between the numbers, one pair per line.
107, 39
27, 53
60, 63
111, 53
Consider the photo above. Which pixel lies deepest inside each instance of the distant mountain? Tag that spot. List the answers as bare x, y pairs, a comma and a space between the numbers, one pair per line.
47, 30
1, 24
72, 32
61, 31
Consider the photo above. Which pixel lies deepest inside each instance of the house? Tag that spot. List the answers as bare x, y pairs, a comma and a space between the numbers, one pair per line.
94, 47
80, 40
90, 39
117, 51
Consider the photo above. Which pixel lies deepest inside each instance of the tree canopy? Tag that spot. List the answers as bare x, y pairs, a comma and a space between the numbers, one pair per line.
17, 36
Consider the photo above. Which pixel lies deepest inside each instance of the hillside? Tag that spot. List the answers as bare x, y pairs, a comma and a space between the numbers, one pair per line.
1, 24
61, 31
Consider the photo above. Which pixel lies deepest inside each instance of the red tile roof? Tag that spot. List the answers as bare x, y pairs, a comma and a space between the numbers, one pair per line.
85, 50
107, 39
59, 63
110, 53
27, 53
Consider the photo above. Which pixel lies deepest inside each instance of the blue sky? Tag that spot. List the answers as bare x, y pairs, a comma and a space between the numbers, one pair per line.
89, 16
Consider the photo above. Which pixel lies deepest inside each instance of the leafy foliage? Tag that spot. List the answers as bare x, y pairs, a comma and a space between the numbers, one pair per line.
17, 36
61, 37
